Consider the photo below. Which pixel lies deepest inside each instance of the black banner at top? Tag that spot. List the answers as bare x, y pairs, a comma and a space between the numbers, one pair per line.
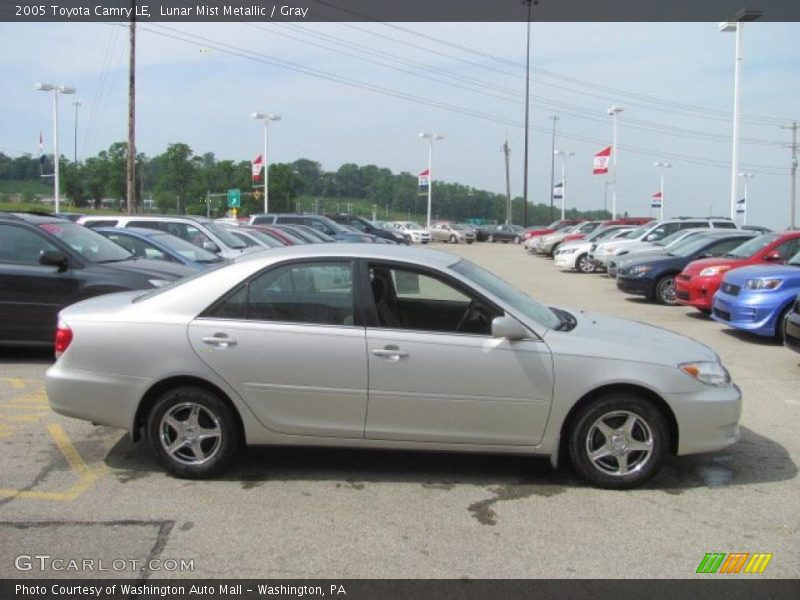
399, 10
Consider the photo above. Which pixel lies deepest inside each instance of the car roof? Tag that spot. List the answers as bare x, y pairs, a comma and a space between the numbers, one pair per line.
140, 231
421, 256
32, 217
154, 218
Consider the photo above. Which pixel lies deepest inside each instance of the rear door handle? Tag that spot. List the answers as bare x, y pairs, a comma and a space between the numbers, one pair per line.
219, 340
391, 352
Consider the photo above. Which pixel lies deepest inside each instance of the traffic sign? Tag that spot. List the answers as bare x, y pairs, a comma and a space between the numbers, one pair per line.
234, 198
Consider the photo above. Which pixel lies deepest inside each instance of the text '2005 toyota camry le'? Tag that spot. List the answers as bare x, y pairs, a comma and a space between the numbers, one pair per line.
385, 347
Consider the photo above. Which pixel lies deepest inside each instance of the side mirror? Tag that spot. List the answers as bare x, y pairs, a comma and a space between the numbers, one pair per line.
508, 328
54, 258
773, 256
210, 246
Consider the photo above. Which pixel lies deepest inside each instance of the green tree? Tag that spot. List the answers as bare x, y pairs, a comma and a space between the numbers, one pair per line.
178, 173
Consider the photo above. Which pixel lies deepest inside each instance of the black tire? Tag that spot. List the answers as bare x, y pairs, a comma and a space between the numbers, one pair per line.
584, 265
665, 290
649, 430
453, 239
780, 324
211, 414
553, 250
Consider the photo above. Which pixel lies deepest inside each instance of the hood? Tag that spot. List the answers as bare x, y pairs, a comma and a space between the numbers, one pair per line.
156, 269
694, 267
638, 256
739, 276
614, 338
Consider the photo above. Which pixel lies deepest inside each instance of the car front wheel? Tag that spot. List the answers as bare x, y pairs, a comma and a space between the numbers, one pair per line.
192, 432
619, 441
453, 239
665, 290
584, 265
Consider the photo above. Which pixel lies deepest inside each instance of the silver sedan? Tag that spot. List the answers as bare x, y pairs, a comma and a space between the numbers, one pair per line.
385, 347
452, 232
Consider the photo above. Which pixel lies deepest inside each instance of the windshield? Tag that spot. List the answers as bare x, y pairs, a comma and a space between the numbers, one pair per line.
458, 227
638, 232
795, 260
225, 237
185, 249
693, 245
88, 243
508, 294
680, 234
749, 248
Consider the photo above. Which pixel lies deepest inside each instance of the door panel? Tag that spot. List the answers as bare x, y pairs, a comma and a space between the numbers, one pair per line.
297, 379
452, 388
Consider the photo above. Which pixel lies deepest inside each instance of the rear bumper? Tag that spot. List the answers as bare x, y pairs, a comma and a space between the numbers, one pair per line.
707, 421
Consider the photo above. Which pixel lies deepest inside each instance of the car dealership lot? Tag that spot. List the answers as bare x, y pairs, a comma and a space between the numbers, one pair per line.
74, 491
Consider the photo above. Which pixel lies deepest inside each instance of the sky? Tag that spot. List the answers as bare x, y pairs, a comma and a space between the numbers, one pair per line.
361, 93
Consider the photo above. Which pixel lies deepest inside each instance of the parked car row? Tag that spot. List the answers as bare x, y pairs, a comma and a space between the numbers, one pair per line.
744, 278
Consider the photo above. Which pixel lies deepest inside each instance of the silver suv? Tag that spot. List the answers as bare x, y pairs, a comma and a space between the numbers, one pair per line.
197, 230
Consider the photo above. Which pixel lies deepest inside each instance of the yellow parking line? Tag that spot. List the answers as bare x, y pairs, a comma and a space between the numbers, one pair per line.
68, 450
16, 382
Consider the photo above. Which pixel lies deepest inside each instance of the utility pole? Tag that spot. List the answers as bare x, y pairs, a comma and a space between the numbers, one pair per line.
507, 151
554, 118
793, 175
131, 171
527, 111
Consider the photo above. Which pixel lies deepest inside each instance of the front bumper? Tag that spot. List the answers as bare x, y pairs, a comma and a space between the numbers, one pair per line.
748, 311
565, 261
637, 286
695, 291
707, 421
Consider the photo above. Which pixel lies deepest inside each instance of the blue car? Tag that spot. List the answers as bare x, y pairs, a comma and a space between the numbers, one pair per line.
757, 298
155, 244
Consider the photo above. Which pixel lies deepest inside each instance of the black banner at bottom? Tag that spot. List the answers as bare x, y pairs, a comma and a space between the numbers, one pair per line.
712, 587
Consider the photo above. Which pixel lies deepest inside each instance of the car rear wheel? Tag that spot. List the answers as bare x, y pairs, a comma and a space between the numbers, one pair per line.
584, 265
453, 239
619, 441
665, 290
192, 432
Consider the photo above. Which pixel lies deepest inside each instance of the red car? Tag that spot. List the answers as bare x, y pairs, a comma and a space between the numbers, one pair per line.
552, 228
632, 221
701, 279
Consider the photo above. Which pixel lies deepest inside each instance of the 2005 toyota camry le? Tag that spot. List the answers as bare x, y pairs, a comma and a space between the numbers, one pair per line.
385, 347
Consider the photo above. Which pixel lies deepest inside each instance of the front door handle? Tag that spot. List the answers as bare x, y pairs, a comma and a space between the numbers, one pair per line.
390, 352
219, 340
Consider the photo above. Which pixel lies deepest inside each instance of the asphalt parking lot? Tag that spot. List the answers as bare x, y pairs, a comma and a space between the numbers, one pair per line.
77, 492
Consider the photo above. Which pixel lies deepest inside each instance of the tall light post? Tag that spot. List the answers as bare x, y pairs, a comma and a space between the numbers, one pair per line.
663, 166
735, 25
56, 89
75, 140
527, 111
746, 177
431, 137
564, 154
266, 117
554, 119
613, 112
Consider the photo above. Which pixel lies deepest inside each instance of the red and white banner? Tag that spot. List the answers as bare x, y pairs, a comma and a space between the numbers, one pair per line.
601, 161
424, 182
655, 200
258, 163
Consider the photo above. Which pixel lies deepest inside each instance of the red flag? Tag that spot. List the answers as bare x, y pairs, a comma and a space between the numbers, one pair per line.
655, 201
601, 161
257, 164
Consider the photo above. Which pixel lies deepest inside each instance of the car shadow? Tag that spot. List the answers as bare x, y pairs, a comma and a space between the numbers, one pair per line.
755, 459
26, 355
751, 338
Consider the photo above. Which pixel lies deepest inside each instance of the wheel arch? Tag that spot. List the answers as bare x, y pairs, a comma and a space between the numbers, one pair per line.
158, 389
616, 388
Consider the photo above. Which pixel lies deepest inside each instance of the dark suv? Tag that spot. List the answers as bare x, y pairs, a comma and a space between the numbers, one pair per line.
47, 263
362, 224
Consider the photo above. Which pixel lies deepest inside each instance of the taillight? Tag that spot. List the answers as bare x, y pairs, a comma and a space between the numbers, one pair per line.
63, 338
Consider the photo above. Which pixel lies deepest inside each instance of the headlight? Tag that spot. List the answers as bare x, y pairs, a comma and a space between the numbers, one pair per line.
157, 283
566, 251
711, 271
710, 373
641, 270
762, 284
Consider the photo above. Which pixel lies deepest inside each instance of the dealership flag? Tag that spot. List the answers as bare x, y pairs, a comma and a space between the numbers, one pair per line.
558, 191
601, 161
655, 201
424, 181
741, 206
41, 149
257, 164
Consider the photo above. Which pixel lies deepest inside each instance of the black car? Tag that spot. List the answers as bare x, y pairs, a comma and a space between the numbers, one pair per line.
791, 331
654, 276
365, 226
47, 263
506, 233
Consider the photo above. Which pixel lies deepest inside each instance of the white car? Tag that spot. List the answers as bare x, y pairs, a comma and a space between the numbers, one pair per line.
575, 255
418, 234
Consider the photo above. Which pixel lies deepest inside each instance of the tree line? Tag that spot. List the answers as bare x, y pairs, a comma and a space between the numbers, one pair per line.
178, 180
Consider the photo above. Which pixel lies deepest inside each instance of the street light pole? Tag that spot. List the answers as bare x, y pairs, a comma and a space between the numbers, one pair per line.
662, 166
75, 152
554, 119
527, 111
614, 111
56, 89
266, 117
564, 154
746, 177
431, 137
